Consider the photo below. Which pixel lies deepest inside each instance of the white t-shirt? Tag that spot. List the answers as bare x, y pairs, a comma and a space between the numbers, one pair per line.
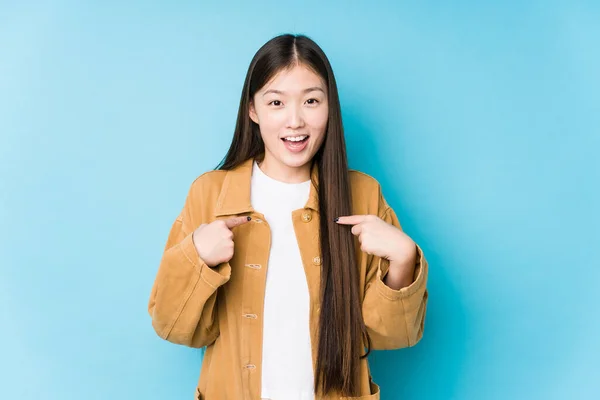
287, 371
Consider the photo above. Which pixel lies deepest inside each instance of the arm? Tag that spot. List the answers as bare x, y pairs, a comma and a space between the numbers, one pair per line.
394, 318
184, 294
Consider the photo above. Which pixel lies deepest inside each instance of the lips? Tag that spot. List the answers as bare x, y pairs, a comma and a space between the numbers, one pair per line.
297, 146
296, 141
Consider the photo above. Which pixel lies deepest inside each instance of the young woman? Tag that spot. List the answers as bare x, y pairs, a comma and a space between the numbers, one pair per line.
285, 264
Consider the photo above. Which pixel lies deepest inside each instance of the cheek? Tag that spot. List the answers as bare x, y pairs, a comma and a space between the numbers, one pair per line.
318, 121
270, 126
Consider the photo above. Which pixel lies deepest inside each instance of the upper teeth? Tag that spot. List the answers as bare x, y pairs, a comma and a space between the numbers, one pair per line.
296, 138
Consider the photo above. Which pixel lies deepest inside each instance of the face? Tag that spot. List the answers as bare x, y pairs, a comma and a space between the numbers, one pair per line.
292, 112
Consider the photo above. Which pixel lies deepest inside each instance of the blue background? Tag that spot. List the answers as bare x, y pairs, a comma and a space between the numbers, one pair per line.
480, 120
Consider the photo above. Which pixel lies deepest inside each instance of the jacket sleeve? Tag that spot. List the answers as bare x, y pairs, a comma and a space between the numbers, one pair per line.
184, 294
394, 318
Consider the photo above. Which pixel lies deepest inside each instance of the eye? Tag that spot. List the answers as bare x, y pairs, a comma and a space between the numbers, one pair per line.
275, 101
315, 101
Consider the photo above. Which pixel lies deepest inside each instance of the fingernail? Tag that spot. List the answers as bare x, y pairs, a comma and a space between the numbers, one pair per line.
335, 219
249, 218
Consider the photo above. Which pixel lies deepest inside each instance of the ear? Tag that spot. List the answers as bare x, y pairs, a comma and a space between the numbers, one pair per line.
252, 112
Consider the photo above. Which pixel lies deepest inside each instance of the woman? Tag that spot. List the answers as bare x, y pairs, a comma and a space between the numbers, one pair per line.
286, 265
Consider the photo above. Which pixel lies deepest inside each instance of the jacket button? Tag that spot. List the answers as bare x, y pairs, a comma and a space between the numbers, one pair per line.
306, 217
317, 260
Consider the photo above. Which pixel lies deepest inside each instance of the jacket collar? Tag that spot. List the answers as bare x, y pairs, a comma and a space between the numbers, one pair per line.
234, 197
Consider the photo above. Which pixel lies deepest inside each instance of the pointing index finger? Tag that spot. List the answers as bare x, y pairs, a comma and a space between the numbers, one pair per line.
351, 219
236, 221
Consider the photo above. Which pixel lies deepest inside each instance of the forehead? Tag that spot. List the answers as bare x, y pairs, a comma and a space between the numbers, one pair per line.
294, 79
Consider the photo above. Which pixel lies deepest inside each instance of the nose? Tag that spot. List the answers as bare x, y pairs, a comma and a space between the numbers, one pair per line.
295, 118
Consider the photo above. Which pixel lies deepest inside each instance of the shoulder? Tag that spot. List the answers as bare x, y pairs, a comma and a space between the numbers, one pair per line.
205, 188
208, 180
367, 194
363, 180
203, 194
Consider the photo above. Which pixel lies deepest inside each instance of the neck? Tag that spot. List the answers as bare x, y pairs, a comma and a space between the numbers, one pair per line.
285, 173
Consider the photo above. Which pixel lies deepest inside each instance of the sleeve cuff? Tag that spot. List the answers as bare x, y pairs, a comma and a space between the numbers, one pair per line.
214, 277
418, 279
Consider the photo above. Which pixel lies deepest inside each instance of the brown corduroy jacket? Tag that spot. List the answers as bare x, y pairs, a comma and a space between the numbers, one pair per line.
194, 305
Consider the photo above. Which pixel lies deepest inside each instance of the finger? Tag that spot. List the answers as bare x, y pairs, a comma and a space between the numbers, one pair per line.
352, 219
357, 229
236, 221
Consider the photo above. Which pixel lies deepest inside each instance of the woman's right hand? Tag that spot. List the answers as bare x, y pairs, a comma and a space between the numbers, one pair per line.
214, 241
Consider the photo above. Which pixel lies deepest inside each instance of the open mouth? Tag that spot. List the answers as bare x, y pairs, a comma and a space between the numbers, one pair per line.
296, 139
295, 144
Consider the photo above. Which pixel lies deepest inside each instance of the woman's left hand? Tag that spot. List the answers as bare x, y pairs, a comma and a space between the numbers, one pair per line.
382, 239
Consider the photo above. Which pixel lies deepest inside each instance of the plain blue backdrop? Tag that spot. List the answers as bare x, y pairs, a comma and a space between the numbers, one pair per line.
480, 120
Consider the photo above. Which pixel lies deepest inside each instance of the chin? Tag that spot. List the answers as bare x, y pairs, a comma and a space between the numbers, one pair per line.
295, 161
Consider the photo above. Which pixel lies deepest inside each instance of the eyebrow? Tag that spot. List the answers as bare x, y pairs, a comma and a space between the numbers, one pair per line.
310, 89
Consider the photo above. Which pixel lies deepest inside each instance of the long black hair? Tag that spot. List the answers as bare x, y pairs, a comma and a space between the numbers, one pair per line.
341, 326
